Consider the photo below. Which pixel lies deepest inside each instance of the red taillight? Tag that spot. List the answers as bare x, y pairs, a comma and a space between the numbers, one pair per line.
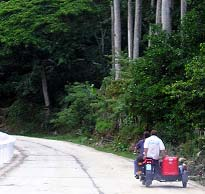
148, 161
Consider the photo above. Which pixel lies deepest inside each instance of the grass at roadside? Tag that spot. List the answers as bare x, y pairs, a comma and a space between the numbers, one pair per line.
82, 140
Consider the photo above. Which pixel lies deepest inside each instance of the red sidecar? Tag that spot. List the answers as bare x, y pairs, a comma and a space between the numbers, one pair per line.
166, 170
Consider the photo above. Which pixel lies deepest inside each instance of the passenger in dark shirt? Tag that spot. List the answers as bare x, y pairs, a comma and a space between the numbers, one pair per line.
140, 148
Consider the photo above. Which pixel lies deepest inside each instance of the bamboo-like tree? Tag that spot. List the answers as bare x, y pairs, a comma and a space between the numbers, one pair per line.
112, 36
45, 88
137, 28
117, 37
183, 8
152, 5
158, 12
166, 15
130, 29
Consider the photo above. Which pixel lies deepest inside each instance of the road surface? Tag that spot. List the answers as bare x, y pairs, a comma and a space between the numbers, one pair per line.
55, 167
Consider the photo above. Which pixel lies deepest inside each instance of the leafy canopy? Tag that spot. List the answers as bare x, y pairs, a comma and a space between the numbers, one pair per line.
30, 21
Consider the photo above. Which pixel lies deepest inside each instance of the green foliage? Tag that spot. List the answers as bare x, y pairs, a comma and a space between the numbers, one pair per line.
140, 101
130, 132
30, 21
190, 93
143, 98
55, 34
120, 147
192, 29
166, 89
113, 113
163, 89
159, 67
201, 143
188, 149
110, 107
191, 147
24, 117
103, 126
77, 115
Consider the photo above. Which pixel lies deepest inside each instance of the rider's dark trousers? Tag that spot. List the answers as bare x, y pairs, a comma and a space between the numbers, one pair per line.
138, 159
156, 167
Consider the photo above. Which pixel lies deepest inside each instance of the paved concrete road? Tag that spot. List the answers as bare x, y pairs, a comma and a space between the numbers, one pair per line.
55, 167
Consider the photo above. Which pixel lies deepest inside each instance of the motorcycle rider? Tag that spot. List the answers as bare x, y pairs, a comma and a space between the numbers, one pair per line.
153, 147
139, 146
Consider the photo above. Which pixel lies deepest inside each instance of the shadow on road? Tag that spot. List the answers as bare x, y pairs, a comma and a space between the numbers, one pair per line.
170, 187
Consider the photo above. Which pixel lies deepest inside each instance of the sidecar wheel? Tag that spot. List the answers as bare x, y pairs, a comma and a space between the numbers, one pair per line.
184, 179
184, 184
148, 183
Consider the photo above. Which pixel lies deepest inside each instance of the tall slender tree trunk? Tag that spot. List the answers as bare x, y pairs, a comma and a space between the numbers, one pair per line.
182, 14
103, 34
137, 28
150, 25
158, 12
183, 8
45, 88
166, 15
101, 40
46, 96
117, 37
112, 36
130, 29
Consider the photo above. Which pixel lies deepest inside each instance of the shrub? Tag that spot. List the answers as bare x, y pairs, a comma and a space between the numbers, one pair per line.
201, 142
103, 126
77, 114
25, 117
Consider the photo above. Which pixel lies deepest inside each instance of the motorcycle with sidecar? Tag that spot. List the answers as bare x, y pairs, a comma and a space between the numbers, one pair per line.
168, 169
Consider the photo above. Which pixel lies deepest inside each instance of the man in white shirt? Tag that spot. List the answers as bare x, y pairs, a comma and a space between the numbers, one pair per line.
153, 146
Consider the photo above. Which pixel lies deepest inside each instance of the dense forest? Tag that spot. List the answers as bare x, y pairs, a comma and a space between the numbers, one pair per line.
104, 68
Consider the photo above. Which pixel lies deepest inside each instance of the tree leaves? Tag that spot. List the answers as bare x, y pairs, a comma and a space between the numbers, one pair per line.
29, 21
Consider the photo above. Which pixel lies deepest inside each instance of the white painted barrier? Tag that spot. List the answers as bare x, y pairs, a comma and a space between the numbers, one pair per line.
6, 147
